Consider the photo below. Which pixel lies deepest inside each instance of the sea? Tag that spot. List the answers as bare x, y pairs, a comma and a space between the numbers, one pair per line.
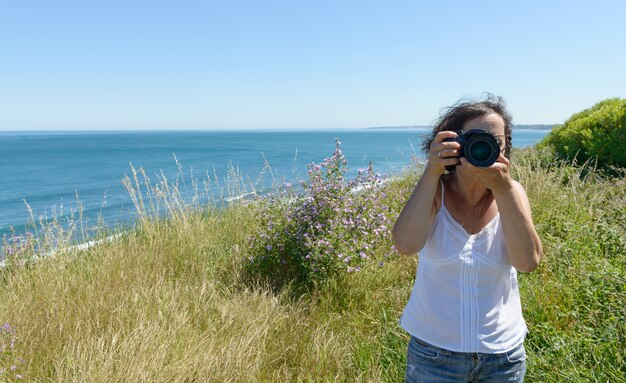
76, 177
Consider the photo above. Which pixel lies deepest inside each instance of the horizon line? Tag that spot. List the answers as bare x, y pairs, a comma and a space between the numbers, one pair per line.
157, 130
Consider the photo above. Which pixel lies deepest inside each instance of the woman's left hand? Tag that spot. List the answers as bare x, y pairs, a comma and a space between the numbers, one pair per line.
495, 177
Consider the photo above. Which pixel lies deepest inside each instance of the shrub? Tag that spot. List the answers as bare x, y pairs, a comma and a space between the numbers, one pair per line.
332, 227
597, 133
9, 362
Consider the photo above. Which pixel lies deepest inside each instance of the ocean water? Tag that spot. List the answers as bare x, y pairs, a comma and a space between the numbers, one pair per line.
52, 172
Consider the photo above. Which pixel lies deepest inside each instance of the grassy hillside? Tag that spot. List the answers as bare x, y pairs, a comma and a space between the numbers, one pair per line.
168, 301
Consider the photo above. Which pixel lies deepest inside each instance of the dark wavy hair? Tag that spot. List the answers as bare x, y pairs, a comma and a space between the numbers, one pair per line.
458, 114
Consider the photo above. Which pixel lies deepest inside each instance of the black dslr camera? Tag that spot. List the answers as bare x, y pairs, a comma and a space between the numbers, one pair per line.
480, 147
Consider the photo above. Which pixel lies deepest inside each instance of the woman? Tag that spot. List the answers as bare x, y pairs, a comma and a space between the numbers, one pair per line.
473, 229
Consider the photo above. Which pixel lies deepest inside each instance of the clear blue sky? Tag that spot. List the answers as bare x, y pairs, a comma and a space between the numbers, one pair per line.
93, 65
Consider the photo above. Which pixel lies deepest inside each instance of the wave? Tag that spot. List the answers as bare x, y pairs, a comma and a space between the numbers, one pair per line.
238, 197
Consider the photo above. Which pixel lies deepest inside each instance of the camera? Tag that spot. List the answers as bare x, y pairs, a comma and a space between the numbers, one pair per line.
480, 147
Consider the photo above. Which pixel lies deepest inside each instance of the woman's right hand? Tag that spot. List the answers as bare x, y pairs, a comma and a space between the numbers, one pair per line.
443, 153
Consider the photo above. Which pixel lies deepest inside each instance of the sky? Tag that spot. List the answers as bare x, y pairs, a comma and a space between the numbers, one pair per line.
181, 65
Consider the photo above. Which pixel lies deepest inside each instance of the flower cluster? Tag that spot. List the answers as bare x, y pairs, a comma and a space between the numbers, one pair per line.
17, 246
8, 359
333, 226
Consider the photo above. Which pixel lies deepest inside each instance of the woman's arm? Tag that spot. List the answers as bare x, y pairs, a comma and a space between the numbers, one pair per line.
523, 245
418, 214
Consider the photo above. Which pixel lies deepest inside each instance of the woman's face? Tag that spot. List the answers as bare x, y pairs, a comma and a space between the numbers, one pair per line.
492, 123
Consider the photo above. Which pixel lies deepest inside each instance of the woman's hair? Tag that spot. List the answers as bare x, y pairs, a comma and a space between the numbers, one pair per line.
463, 111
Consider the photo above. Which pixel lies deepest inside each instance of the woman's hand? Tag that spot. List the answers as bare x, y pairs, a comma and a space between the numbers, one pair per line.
495, 177
443, 153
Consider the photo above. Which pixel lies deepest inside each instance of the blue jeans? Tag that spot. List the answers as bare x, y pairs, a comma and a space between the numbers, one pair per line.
431, 364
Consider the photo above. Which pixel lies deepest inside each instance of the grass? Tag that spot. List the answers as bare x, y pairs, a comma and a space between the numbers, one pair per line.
167, 301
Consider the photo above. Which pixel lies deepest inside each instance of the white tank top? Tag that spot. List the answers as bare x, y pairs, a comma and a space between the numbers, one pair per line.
465, 297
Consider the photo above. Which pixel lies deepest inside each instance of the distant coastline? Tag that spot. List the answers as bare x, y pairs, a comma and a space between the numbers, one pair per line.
242, 130
516, 126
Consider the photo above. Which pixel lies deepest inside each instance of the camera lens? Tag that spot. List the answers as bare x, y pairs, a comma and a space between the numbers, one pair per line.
480, 151
481, 148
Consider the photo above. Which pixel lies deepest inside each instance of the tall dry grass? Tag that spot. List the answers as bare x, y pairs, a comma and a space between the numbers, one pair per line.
165, 302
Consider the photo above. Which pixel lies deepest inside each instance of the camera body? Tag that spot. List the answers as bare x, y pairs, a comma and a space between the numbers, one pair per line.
480, 147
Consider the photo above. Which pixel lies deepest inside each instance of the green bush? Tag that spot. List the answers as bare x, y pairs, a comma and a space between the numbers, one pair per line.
596, 134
